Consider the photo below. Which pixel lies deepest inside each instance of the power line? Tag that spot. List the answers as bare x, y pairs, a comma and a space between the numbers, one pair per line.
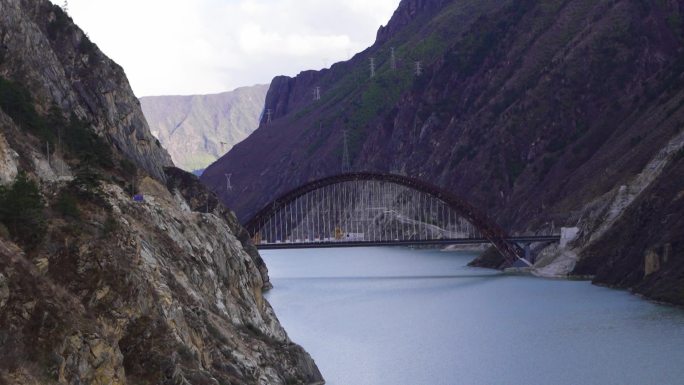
269, 114
372, 67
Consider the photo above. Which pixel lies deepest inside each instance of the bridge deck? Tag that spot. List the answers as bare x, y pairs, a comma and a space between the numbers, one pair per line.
466, 241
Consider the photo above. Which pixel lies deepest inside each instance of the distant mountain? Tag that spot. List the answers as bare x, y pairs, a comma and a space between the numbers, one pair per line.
198, 129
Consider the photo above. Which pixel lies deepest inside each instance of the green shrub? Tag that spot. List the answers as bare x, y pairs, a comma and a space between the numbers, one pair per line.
78, 138
547, 164
87, 183
515, 167
86, 186
83, 143
635, 140
21, 211
679, 154
557, 144
86, 47
67, 205
110, 226
128, 167
16, 102
59, 25
4, 232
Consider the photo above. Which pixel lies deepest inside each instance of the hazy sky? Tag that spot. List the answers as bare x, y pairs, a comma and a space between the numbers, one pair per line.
171, 47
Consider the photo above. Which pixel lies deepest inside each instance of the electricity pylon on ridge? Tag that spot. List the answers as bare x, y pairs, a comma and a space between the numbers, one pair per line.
393, 60
228, 185
346, 162
419, 68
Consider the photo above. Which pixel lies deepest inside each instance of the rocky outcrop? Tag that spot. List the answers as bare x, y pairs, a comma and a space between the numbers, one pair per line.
198, 129
152, 292
200, 199
42, 48
8, 157
97, 286
644, 249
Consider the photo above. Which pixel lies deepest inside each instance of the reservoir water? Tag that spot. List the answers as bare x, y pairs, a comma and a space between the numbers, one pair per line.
399, 316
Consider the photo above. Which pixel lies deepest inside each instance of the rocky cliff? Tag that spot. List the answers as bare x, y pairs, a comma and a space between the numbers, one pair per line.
97, 287
199, 129
542, 114
63, 68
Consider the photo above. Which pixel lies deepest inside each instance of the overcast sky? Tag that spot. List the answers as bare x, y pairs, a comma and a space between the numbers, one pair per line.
180, 47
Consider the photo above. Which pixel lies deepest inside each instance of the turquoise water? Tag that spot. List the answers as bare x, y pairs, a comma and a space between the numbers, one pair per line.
398, 316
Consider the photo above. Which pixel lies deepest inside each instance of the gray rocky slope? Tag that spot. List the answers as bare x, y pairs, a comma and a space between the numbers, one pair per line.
101, 289
199, 129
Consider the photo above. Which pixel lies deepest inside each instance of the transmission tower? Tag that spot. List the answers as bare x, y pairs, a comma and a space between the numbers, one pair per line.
317, 94
346, 163
372, 67
393, 60
269, 113
228, 185
419, 68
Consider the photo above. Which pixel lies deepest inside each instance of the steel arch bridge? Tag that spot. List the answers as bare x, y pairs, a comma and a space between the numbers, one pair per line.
373, 209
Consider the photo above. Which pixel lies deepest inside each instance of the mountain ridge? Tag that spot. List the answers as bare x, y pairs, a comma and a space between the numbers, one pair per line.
536, 113
198, 129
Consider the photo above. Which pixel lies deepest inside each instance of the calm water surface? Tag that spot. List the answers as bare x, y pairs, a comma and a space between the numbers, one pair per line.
397, 316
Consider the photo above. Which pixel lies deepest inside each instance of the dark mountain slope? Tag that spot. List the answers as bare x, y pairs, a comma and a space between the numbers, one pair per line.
529, 100
305, 138
540, 113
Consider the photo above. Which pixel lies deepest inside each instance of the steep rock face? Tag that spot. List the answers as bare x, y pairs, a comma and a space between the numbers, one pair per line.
644, 250
96, 287
41, 48
165, 295
200, 199
8, 157
198, 129
536, 112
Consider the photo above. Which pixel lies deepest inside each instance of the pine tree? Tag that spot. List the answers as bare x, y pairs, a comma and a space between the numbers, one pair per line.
21, 210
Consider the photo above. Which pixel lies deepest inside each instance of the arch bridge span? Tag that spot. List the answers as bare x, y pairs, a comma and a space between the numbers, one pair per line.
369, 209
